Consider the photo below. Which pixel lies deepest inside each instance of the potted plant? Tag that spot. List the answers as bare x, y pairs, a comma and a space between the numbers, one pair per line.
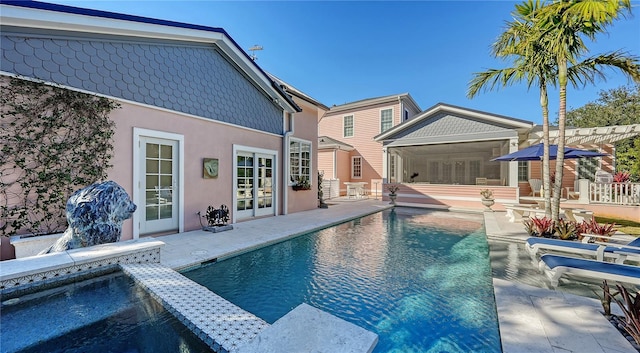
300, 183
487, 198
393, 188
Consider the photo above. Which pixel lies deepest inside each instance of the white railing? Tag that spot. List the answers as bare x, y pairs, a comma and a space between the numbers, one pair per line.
615, 193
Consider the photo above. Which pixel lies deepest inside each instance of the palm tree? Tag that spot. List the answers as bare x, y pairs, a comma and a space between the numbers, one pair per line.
531, 63
527, 41
562, 25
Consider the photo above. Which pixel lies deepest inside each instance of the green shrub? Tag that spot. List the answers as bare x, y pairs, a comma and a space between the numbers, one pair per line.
54, 142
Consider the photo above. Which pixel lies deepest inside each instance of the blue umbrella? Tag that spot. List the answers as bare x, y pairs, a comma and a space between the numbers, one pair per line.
536, 152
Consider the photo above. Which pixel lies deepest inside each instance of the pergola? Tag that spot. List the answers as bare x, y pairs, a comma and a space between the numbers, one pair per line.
587, 135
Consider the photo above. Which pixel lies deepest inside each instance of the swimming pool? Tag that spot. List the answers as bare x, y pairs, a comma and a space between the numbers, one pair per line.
105, 314
420, 279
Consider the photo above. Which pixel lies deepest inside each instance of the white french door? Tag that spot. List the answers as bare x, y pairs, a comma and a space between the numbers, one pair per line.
158, 185
255, 184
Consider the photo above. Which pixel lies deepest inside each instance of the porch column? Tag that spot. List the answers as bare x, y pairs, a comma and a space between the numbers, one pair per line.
513, 166
385, 161
583, 189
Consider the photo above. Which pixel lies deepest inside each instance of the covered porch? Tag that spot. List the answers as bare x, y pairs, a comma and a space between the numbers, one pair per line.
465, 163
442, 158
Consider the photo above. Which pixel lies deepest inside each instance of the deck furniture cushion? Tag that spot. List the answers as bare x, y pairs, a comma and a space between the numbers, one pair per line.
610, 251
556, 266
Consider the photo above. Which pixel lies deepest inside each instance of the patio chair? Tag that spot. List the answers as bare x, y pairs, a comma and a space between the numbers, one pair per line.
600, 251
573, 192
556, 266
536, 187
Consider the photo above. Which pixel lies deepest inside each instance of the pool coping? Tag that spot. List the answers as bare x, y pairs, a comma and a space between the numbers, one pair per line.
27, 274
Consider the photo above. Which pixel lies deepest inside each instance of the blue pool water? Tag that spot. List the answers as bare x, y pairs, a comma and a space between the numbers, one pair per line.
105, 314
419, 279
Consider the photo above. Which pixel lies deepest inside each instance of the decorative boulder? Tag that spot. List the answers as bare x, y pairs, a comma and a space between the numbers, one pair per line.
95, 215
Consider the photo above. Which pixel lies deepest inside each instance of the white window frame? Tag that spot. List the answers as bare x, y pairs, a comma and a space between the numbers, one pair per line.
353, 167
390, 122
344, 125
523, 166
300, 166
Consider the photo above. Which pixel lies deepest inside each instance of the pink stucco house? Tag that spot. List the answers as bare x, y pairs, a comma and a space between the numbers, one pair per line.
441, 157
200, 122
347, 151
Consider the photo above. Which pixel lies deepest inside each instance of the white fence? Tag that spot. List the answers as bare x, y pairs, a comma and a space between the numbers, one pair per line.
330, 188
615, 193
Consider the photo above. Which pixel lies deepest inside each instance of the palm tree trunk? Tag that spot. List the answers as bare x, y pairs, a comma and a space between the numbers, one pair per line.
562, 115
546, 181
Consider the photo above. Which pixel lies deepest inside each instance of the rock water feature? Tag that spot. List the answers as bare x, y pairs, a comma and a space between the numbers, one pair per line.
95, 215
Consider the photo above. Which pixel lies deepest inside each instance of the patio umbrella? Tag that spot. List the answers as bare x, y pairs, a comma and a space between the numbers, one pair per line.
536, 152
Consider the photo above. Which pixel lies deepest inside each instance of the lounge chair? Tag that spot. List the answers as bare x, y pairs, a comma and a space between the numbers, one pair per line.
600, 251
556, 266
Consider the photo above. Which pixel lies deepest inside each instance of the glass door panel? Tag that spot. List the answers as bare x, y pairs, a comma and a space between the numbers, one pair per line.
254, 185
160, 177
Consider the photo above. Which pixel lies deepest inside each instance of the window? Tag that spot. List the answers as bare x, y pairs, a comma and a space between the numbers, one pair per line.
299, 161
406, 115
523, 171
386, 119
356, 167
347, 123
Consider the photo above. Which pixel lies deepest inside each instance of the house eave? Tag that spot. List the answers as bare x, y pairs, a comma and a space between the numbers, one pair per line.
370, 102
484, 136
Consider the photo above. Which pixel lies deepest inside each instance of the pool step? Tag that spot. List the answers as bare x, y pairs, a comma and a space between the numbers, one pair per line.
219, 323
225, 327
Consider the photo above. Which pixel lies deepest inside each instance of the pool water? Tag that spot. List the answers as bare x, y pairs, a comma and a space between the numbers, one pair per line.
420, 279
105, 314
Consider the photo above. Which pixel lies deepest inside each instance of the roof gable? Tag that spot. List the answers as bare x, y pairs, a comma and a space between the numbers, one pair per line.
443, 120
30, 15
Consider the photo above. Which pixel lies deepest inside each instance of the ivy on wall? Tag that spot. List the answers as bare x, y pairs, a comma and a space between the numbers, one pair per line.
54, 142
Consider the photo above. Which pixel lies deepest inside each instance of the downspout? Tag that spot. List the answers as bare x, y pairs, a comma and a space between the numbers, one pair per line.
285, 164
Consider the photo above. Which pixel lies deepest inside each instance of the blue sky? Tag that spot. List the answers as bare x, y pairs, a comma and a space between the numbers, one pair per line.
339, 52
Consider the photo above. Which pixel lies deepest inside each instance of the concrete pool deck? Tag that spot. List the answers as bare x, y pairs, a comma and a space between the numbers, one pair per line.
531, 319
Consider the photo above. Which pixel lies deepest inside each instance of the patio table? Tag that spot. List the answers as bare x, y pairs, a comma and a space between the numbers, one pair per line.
355, 189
